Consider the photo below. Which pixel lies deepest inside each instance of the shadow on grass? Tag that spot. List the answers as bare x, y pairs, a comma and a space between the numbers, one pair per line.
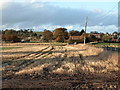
47, 79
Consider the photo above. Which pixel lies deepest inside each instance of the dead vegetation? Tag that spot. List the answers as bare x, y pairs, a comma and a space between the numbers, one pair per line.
68, 66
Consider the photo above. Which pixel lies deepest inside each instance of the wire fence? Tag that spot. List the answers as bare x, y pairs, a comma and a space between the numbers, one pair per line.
108, 47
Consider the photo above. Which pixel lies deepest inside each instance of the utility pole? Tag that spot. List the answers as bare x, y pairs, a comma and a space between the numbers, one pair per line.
85, 29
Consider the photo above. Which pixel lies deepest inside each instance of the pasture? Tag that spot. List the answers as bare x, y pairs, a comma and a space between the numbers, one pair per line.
36, 65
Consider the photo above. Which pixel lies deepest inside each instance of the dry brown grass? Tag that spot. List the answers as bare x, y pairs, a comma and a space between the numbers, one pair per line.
17, 52
95, 60
70, 60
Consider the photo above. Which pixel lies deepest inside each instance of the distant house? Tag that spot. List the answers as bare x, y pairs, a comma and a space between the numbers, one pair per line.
75, 37
25, 40
96, 35
115, 40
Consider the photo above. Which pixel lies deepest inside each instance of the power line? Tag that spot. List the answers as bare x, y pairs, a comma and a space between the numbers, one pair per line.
106, 14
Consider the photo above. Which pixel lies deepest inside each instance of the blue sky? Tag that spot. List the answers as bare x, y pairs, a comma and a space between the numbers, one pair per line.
102, 16
86, 5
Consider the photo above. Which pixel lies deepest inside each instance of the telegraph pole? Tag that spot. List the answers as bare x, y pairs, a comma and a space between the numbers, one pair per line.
85, 29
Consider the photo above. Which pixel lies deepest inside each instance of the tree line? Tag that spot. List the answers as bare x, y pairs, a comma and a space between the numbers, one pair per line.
58, 35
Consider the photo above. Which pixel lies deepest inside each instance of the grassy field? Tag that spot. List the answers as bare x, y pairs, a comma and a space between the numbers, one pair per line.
54, 65
107, 44
7, 48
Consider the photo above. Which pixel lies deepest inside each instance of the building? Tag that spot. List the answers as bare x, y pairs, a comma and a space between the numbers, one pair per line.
96, 35
75, 37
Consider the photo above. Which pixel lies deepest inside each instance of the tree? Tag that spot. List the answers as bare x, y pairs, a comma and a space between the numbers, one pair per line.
94, 32
60, 39
92, 38
107, 33
60, 34
115, 33
47, 35
74, 33
31, 32
115, 36
106, 38
11, 36
11, 31
82, 31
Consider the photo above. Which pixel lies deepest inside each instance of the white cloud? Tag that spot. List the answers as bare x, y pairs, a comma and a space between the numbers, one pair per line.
104, 29
109, 28
3, 3
99, 10
43, 13
69, 27
39, 5
42, 16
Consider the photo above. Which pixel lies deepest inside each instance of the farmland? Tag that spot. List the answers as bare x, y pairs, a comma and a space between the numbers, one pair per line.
36, 65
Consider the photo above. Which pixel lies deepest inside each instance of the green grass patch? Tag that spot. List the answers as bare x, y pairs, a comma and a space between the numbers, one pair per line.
7, 48
39, 33
107, 44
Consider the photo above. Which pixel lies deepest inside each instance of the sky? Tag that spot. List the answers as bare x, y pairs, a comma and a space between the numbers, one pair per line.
70, 14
